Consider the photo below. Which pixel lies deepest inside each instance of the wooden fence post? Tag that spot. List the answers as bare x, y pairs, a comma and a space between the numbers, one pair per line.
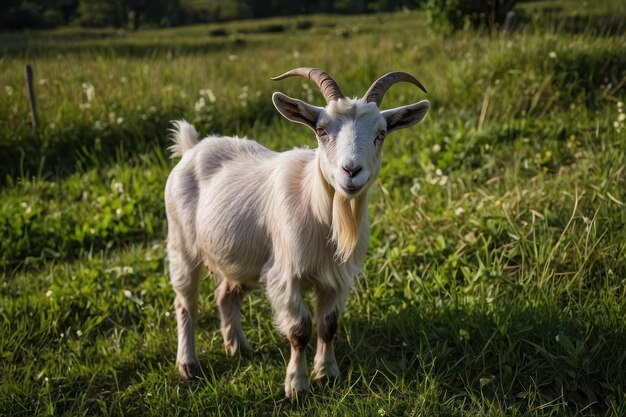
31, 98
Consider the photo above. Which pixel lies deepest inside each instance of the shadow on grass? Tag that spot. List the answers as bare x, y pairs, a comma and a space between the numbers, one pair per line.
515, 356
597, 24
111, 47
511, 354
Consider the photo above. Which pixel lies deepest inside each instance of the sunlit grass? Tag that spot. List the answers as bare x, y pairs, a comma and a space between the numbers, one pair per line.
495, 282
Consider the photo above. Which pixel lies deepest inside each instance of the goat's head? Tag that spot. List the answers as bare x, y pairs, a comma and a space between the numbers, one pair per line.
350, 132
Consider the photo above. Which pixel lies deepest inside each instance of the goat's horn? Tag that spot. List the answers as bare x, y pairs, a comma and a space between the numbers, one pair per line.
380, 86
329, 87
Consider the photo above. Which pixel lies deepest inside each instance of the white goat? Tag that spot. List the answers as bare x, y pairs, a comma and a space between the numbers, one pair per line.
292, 221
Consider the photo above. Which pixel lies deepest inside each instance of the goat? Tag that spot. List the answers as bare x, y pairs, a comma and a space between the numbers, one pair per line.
289, 221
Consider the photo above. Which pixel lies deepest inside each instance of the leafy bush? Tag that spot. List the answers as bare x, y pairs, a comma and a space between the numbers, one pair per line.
449, 15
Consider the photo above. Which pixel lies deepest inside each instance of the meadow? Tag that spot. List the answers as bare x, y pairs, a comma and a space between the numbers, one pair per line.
495, 282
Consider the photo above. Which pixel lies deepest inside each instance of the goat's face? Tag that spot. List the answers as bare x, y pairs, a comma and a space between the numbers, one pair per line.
350, 134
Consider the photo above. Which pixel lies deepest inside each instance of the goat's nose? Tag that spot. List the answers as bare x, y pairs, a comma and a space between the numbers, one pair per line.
352, 170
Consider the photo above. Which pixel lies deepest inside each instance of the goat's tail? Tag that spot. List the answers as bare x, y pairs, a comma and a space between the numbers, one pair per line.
184, 137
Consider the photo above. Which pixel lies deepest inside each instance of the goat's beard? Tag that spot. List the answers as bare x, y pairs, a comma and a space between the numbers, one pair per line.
347, 216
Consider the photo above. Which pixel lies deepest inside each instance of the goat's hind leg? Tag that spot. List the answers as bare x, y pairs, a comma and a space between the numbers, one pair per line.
228, 296
185, 277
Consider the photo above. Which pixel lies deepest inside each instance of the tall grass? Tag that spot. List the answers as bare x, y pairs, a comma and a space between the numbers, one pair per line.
495, 280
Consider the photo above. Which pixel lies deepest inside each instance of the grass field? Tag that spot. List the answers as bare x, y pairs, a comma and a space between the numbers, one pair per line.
495, 283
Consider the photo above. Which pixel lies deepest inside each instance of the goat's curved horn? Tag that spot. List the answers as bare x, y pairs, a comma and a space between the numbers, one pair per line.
380, 86
329, 87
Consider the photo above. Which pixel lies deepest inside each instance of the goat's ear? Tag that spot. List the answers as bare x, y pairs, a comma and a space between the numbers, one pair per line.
405, 116
296, 110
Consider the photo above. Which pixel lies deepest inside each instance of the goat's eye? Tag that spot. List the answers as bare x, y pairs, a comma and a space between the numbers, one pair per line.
381, 136
320, 131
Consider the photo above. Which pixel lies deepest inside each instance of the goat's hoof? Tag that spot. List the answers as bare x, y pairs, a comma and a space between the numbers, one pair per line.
243, 348
326, 374
188, 370
296, 388
295, 395
326, 380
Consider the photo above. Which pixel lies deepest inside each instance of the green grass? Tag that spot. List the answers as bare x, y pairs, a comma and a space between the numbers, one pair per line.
495, 283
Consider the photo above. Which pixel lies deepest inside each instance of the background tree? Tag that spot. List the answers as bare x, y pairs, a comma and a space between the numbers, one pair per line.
20, 14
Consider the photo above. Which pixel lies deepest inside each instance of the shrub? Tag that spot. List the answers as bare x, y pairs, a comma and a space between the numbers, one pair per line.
218, 32
446, 16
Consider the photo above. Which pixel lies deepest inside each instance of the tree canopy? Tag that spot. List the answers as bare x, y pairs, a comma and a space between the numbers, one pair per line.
22, 14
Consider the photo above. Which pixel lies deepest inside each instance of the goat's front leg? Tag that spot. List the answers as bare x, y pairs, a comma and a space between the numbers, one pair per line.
328, 307
293, 320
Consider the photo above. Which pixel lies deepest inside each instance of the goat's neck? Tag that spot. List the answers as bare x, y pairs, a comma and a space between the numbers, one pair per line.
321, 193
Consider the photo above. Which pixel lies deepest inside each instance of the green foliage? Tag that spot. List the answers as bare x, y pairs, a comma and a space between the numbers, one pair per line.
21, 14
133, 14
446, 16
495, 282
101, 13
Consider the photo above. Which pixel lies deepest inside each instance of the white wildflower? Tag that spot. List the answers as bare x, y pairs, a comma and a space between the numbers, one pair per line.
243, 96
200, 104
208, 93
117, 187
90, 91
552, 55
436, 148
415, 188
27, 208
8, 89
49, 294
